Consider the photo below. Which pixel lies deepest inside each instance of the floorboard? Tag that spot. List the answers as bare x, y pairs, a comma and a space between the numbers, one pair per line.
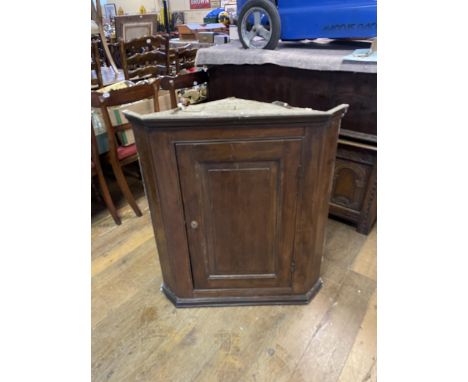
361, 363
138, 335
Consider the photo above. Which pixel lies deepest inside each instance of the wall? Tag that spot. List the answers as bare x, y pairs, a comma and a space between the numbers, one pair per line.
190, 16
133, 6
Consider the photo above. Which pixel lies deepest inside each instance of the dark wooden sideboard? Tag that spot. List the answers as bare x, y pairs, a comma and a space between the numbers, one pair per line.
238, 214
354, 190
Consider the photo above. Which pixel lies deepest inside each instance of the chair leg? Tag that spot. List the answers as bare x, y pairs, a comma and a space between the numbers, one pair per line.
97, 195
107, 197
133, 174
122, 182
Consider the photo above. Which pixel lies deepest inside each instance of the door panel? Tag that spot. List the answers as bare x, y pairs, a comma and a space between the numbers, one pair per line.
240, 207
349, 183
226, 186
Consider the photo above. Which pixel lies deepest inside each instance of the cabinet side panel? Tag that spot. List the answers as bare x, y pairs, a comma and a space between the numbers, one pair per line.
319, 160
326, 170
154, 203
166, 178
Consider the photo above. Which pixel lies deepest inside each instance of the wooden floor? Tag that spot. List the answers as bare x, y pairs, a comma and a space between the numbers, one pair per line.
138, 335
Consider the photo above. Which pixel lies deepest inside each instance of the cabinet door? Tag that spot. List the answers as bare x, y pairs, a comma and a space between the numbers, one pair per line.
350, 183
240, 208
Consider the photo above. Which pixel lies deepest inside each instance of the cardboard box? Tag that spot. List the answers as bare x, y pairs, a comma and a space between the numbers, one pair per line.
187, 31
144, 106
102, 143
221, 39
215, 27
190, 31
99, 131
164, 100
126, 137
206, 37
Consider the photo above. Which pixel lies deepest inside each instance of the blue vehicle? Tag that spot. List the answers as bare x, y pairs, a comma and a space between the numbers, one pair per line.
262, 23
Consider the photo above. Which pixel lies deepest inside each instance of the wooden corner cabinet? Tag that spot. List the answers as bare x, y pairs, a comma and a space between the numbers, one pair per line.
238, 192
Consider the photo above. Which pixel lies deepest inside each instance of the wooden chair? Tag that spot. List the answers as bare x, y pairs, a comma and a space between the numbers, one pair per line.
102, 54
172, 57
182, 81
185, 58
114, 49
145, 65
119, 156
96, 170
96, 82
144, 44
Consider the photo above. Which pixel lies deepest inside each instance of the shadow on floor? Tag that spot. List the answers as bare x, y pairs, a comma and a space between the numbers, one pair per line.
98, 208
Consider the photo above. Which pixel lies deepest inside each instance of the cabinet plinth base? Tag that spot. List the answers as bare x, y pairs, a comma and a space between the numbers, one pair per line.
297, 299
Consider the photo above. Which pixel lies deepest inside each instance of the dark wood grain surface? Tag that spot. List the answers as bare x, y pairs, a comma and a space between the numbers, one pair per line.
354, 193
239, 207
242, 195
320, 90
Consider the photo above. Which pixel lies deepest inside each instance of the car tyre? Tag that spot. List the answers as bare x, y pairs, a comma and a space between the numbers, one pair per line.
268, 7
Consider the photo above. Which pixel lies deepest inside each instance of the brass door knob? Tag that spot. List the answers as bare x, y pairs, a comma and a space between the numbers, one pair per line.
194, 224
